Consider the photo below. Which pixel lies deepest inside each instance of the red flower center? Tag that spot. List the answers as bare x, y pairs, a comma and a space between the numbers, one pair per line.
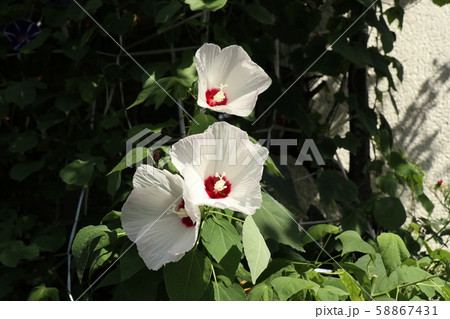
217, 186
215, 97
187, 221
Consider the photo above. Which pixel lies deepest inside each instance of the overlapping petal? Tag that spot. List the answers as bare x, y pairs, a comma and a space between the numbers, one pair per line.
225, 152
149, 217
232, 72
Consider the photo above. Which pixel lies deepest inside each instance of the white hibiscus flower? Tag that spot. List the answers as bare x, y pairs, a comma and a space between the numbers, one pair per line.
221, 168
159, 218
228, 80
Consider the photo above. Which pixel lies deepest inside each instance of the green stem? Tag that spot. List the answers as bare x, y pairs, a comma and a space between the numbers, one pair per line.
219, 213
405, 285
323, 248
198, 237
214, 273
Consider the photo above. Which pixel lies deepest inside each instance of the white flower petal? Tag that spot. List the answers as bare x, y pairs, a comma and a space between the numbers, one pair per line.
242, 161
148, 176
232, 67
165, 241
192, 149
224, 63
204, 60
148, 220
246, 77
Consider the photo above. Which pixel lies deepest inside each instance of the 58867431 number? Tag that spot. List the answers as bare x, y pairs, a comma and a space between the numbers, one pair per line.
406, 310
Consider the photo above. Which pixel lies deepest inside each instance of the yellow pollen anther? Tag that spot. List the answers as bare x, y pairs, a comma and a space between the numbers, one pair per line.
181, 213
220, 96
220, 185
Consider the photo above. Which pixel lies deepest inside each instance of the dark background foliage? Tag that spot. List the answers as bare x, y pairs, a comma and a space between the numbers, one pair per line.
64, 101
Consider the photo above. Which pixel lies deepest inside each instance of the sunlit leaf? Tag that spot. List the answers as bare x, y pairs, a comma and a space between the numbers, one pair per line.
188, 278
393, 251
352, 241
255, 248
276, 222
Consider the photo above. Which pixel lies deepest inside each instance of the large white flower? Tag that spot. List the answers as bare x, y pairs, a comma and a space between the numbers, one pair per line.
221, 168
159, 218
228, 80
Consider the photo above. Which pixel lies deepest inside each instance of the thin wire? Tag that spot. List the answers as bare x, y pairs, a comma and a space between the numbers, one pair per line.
133, 59
315, 61
72, 235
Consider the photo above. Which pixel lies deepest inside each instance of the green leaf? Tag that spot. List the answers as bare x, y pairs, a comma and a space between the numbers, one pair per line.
355, 218
37, 42
186, 70
355, 54
440, 254
388, 184
23, 142
276, 222
352, 241
285, 287
134, 156
118, 25
21, 171
396, 64
415, 274
188, 278
113, 183
112, 215
200, 123
259, 13
67, 104
350, 142
144, 285
15, 250
255, 248
367, 3
77, 173
367, 116
401, 165
441, 2
375, 267
333, 186
223, 242
389, 213
211, 5
270, 164
53, 241
84, 244
317, 232
395, 13
21, 93
353, 289
130, 262
387, 36
393, 251
426, 203
167, 12
42, 293
330, 293
232, 292
386, 137
261, 292
157, 91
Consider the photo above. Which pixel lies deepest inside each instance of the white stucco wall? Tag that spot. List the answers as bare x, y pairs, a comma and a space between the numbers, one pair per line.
422, 128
